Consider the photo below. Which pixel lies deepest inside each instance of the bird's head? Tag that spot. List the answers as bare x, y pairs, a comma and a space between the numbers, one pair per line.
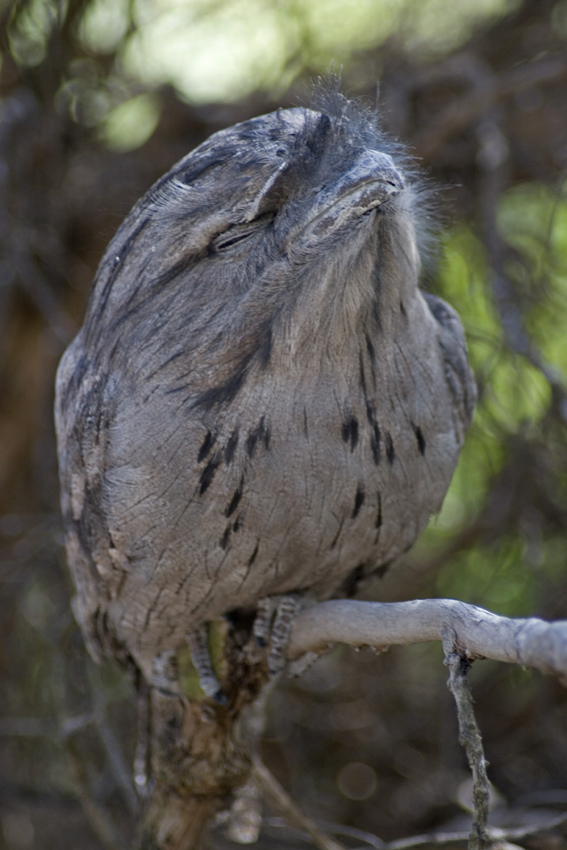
298, 175
301, 218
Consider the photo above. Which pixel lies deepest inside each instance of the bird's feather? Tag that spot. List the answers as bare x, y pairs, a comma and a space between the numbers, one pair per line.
260, 401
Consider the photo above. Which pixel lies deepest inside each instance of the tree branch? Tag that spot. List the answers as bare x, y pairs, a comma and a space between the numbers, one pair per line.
478, 633
466, 109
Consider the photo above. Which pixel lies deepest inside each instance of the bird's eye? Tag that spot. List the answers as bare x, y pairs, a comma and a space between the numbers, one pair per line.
226, 240
239, 233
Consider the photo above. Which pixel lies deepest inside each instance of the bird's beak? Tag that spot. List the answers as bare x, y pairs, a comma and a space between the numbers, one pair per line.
375, 171
371, 181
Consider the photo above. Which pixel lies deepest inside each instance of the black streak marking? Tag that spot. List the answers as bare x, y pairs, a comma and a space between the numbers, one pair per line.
235, 499
350, 432
420, 439
252, 557
378, 523
371, 416
403, 309
350, 585
305, 426
225, 392
265, 351
370, 347
259, 433
224, 538
390, 453
376, 312
336, 537
208, 473
222, 394
267, 435
358, 500
231, 447
237, 523
375, 443
251, 441
207, 445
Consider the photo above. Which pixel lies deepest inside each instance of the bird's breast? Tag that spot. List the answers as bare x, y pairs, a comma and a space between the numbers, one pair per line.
299, 483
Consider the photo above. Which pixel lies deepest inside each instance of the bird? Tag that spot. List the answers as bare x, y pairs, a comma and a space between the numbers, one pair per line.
262, 402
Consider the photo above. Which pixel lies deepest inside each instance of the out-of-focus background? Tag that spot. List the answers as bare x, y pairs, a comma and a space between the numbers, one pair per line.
97, 99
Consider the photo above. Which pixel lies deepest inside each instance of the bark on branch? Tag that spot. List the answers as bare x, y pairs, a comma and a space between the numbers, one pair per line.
479, 633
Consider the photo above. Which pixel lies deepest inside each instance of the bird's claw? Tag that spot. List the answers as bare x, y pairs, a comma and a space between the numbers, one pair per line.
272, 625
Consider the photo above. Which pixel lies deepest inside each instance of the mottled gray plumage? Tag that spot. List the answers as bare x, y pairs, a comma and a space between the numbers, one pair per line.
260, 400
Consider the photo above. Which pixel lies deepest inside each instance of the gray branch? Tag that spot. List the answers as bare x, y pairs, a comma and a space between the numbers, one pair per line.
478, 633
467, 633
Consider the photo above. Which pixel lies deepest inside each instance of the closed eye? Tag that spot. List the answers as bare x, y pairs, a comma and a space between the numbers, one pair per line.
226, 240
239, 233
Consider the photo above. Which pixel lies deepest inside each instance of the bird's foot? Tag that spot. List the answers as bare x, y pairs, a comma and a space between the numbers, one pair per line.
271, 628
273, 624
200, 656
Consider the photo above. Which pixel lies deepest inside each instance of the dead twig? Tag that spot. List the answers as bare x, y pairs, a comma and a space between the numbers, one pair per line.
469, 738
279, 800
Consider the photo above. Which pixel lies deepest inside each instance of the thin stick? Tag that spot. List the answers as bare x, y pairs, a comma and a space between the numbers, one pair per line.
279, 800
469, 738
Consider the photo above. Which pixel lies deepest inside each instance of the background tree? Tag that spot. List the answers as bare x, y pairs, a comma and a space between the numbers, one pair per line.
91, 114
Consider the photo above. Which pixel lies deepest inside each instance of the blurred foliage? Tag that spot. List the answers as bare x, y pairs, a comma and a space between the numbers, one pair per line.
214, 50
98, 98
